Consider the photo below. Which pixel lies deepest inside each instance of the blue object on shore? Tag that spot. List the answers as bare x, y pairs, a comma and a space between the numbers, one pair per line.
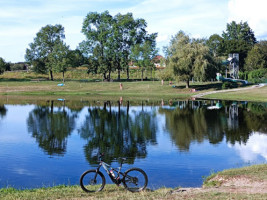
60, 84
61, 99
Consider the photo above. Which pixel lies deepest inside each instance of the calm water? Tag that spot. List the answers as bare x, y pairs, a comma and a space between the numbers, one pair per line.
177, 144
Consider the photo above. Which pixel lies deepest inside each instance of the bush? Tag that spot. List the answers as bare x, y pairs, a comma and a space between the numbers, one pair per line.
243, 75
165, 74
257, 76
228, 85
18, 66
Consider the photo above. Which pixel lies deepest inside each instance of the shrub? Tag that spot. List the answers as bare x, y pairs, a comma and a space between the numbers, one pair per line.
227, 85
257, 76
18, 66
165, 75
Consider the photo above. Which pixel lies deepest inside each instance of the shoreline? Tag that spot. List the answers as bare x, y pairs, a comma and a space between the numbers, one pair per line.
240, 183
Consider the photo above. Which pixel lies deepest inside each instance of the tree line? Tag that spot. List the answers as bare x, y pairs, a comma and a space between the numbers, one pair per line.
113, 42
200, 59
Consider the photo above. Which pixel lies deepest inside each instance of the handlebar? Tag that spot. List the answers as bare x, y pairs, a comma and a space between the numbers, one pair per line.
100, 155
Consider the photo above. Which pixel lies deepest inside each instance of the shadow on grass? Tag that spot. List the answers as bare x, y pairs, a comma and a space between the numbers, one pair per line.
216, 86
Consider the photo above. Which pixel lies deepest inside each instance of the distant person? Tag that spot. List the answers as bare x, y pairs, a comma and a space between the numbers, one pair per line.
162, 82
120, 86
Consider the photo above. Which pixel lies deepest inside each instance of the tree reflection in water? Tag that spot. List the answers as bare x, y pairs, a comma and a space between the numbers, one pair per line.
3, 111
191, 121
51, 127
117, 133
124, 131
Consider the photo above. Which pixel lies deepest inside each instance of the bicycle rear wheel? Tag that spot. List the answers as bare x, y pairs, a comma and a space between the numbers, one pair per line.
135, 180
92, 181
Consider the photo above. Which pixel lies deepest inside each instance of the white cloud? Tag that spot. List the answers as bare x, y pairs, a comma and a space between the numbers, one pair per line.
254, 149
254, 12
199, 18
21, 20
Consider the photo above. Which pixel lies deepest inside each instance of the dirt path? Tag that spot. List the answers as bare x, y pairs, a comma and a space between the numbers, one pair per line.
228, 90
240, 184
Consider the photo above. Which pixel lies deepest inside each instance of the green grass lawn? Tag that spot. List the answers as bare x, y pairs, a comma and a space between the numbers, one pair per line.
134, 89
80, 84
256, 94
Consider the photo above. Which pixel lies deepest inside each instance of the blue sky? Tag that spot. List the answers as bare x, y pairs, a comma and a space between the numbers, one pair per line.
21, 20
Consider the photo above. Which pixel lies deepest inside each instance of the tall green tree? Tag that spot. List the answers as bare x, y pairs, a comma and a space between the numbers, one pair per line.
2, 65
238, 38
215, 44
76, 58
58, 59
97, 28
110, 40
128, 32
256, 59
143, 54
190, 58
43, 45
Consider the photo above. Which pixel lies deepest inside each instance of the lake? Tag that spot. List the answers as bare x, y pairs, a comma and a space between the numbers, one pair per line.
177, 143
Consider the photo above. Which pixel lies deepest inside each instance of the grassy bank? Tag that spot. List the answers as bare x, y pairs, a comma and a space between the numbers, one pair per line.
256, 94
212, 189
31, 85
133, 89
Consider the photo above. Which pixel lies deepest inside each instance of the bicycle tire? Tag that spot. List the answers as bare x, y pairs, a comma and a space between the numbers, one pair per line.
88, 182
135, 180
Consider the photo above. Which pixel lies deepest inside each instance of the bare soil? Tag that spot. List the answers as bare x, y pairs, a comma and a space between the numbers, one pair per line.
236, 184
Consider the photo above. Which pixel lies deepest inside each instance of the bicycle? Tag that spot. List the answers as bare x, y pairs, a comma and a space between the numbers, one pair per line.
134, 179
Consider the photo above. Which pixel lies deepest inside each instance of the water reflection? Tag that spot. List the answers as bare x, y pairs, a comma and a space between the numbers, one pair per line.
210, 135
121, 130
3, 111
51, 127
117, 133
254, 150
191, 121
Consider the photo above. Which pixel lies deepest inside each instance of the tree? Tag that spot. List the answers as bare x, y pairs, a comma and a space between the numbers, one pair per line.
97, 29
255, 59
143, 54
2, 65
110, 40
128, 32
238, 38
189, 58
215, 44
76, 58
58, 59
43, 45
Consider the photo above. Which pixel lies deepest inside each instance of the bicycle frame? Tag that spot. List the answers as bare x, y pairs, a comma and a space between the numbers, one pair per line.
106, 166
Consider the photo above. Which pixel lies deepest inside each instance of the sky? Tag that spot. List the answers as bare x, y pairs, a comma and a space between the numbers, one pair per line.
20, 20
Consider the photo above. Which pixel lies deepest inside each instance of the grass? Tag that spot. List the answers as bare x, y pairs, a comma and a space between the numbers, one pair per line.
75, 192
137, 89
80, 84
257, 172
256, 94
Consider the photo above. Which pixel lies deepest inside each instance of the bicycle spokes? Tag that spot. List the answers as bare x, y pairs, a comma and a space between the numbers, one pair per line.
135, 180
93, 182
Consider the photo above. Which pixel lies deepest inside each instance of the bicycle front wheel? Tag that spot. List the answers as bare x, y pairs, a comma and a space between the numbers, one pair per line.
92, 181
135, 180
